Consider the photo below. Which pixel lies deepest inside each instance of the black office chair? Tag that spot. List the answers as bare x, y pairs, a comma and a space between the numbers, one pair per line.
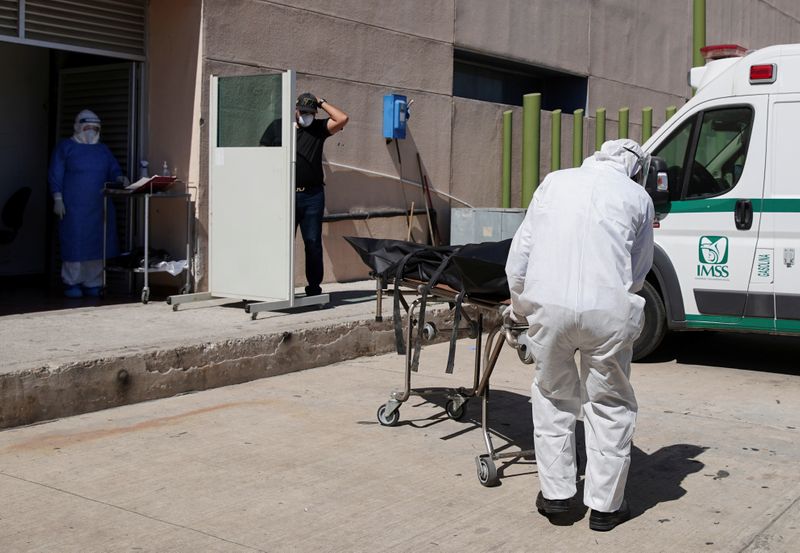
11, 216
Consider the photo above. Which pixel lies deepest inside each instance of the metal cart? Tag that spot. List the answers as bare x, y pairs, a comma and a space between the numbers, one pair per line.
486, 354
145, 195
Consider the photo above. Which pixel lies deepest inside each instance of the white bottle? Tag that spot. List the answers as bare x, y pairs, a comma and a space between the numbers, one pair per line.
165, 169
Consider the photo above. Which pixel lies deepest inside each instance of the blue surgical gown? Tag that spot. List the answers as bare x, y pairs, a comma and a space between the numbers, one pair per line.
79, 172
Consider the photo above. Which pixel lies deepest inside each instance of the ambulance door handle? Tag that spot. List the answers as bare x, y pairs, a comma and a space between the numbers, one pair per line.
743, 214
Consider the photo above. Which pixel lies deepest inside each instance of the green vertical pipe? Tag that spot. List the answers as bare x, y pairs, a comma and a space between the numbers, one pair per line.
577, 137
599, 127
699, 32
555, 140
624, 114
506, 184
670, 112
647, 123
531, 135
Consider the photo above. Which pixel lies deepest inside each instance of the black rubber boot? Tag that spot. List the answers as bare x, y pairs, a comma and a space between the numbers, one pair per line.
548, 507
603, 522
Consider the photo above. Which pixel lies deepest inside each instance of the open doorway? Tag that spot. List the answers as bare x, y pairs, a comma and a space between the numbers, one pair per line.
43, 90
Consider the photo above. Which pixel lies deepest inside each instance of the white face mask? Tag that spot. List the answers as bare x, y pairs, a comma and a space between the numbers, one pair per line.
91, 136
305, 119
87, 136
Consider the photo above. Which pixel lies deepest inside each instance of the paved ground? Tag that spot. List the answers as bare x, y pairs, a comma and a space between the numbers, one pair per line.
298, 463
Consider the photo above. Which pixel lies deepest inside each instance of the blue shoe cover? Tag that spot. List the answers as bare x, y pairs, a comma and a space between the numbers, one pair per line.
92, 291
73, 291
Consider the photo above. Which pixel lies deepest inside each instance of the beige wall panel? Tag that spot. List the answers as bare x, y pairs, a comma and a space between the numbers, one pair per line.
789, 8
477, 152
267, 35
341, 262
174, 33
752, 24
426, 18
613, 95
645, 43
541, 32
362, 148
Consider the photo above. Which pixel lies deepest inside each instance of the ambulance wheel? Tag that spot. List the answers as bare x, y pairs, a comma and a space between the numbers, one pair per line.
455, 413
487, 471
390, 420
655, 323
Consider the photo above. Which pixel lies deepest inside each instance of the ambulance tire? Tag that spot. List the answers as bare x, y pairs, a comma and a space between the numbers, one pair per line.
655, 323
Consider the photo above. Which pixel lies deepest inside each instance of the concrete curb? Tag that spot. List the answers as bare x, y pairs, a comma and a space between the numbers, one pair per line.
48, 393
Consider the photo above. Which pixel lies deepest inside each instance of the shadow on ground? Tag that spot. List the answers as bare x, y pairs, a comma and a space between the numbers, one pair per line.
756, 352
654, 477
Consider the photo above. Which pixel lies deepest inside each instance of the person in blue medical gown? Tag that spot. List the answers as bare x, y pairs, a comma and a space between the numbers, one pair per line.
79, 169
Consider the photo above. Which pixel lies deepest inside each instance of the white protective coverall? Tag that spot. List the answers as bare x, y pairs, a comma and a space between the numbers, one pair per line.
575, 264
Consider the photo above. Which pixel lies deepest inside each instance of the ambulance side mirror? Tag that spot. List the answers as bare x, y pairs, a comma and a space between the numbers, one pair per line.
657, 184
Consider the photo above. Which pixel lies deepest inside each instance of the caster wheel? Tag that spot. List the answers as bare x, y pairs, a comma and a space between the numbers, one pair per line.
390, 420
525, 355
145, 296
487, 471
472, 332
429, 331
455, 413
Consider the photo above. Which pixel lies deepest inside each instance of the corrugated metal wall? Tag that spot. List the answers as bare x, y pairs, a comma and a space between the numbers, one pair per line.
105, 26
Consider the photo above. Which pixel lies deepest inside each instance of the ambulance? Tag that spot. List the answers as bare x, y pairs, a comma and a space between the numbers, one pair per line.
727, 229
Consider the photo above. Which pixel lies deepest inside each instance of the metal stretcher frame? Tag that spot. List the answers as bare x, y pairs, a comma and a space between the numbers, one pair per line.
485, 361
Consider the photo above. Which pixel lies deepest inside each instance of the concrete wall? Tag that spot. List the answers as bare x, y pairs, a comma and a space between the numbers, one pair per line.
172, 123
633, 54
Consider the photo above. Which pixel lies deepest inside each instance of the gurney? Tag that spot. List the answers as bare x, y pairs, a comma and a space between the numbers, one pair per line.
470, 279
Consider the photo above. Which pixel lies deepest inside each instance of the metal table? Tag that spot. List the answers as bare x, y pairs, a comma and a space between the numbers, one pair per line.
146, 195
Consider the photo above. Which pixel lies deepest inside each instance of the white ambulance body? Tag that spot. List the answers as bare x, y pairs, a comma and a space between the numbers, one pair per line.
728, 239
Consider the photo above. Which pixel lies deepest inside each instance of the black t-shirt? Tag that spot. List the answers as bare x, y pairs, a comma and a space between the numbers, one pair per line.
310, 140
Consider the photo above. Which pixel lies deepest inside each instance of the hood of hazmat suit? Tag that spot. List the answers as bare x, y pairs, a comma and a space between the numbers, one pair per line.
582, 251
86, 128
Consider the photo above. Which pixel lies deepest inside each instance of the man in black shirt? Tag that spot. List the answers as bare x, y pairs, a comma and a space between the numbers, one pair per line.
309, 200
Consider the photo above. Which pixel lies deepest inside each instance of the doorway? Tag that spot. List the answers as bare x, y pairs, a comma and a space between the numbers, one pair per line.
45, 88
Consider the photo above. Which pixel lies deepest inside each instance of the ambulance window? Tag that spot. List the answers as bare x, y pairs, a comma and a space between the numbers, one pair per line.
673, 151
721, 151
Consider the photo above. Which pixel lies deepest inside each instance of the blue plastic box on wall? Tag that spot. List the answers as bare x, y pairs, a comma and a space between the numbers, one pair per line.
394, 116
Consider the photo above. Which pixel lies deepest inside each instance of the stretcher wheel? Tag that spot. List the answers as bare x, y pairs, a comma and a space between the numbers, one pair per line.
429, 331
525, 354
390, 420
455, 413
145, 295
487, 471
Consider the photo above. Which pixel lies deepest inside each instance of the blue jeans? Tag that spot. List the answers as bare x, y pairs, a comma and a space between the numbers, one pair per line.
308, 211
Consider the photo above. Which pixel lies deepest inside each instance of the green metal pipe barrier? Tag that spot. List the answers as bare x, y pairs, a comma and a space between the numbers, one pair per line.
670, 112
699, 32
624, 114
599, 127
506, 181
555, 140
577, 137
647, 123
531, 135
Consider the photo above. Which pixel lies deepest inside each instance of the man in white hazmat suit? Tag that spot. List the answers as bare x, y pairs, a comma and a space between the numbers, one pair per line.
574, 268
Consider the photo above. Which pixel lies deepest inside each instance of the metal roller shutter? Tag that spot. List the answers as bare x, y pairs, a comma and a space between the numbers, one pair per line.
9, 17
107, 25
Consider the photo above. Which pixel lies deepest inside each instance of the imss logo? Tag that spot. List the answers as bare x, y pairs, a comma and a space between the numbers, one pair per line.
713, 255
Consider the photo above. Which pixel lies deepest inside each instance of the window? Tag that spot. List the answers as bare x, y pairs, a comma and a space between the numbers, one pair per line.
502, 81
673, 151
718, 153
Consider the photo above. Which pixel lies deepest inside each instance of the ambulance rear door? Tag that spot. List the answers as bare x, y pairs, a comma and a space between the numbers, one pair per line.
779, 245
